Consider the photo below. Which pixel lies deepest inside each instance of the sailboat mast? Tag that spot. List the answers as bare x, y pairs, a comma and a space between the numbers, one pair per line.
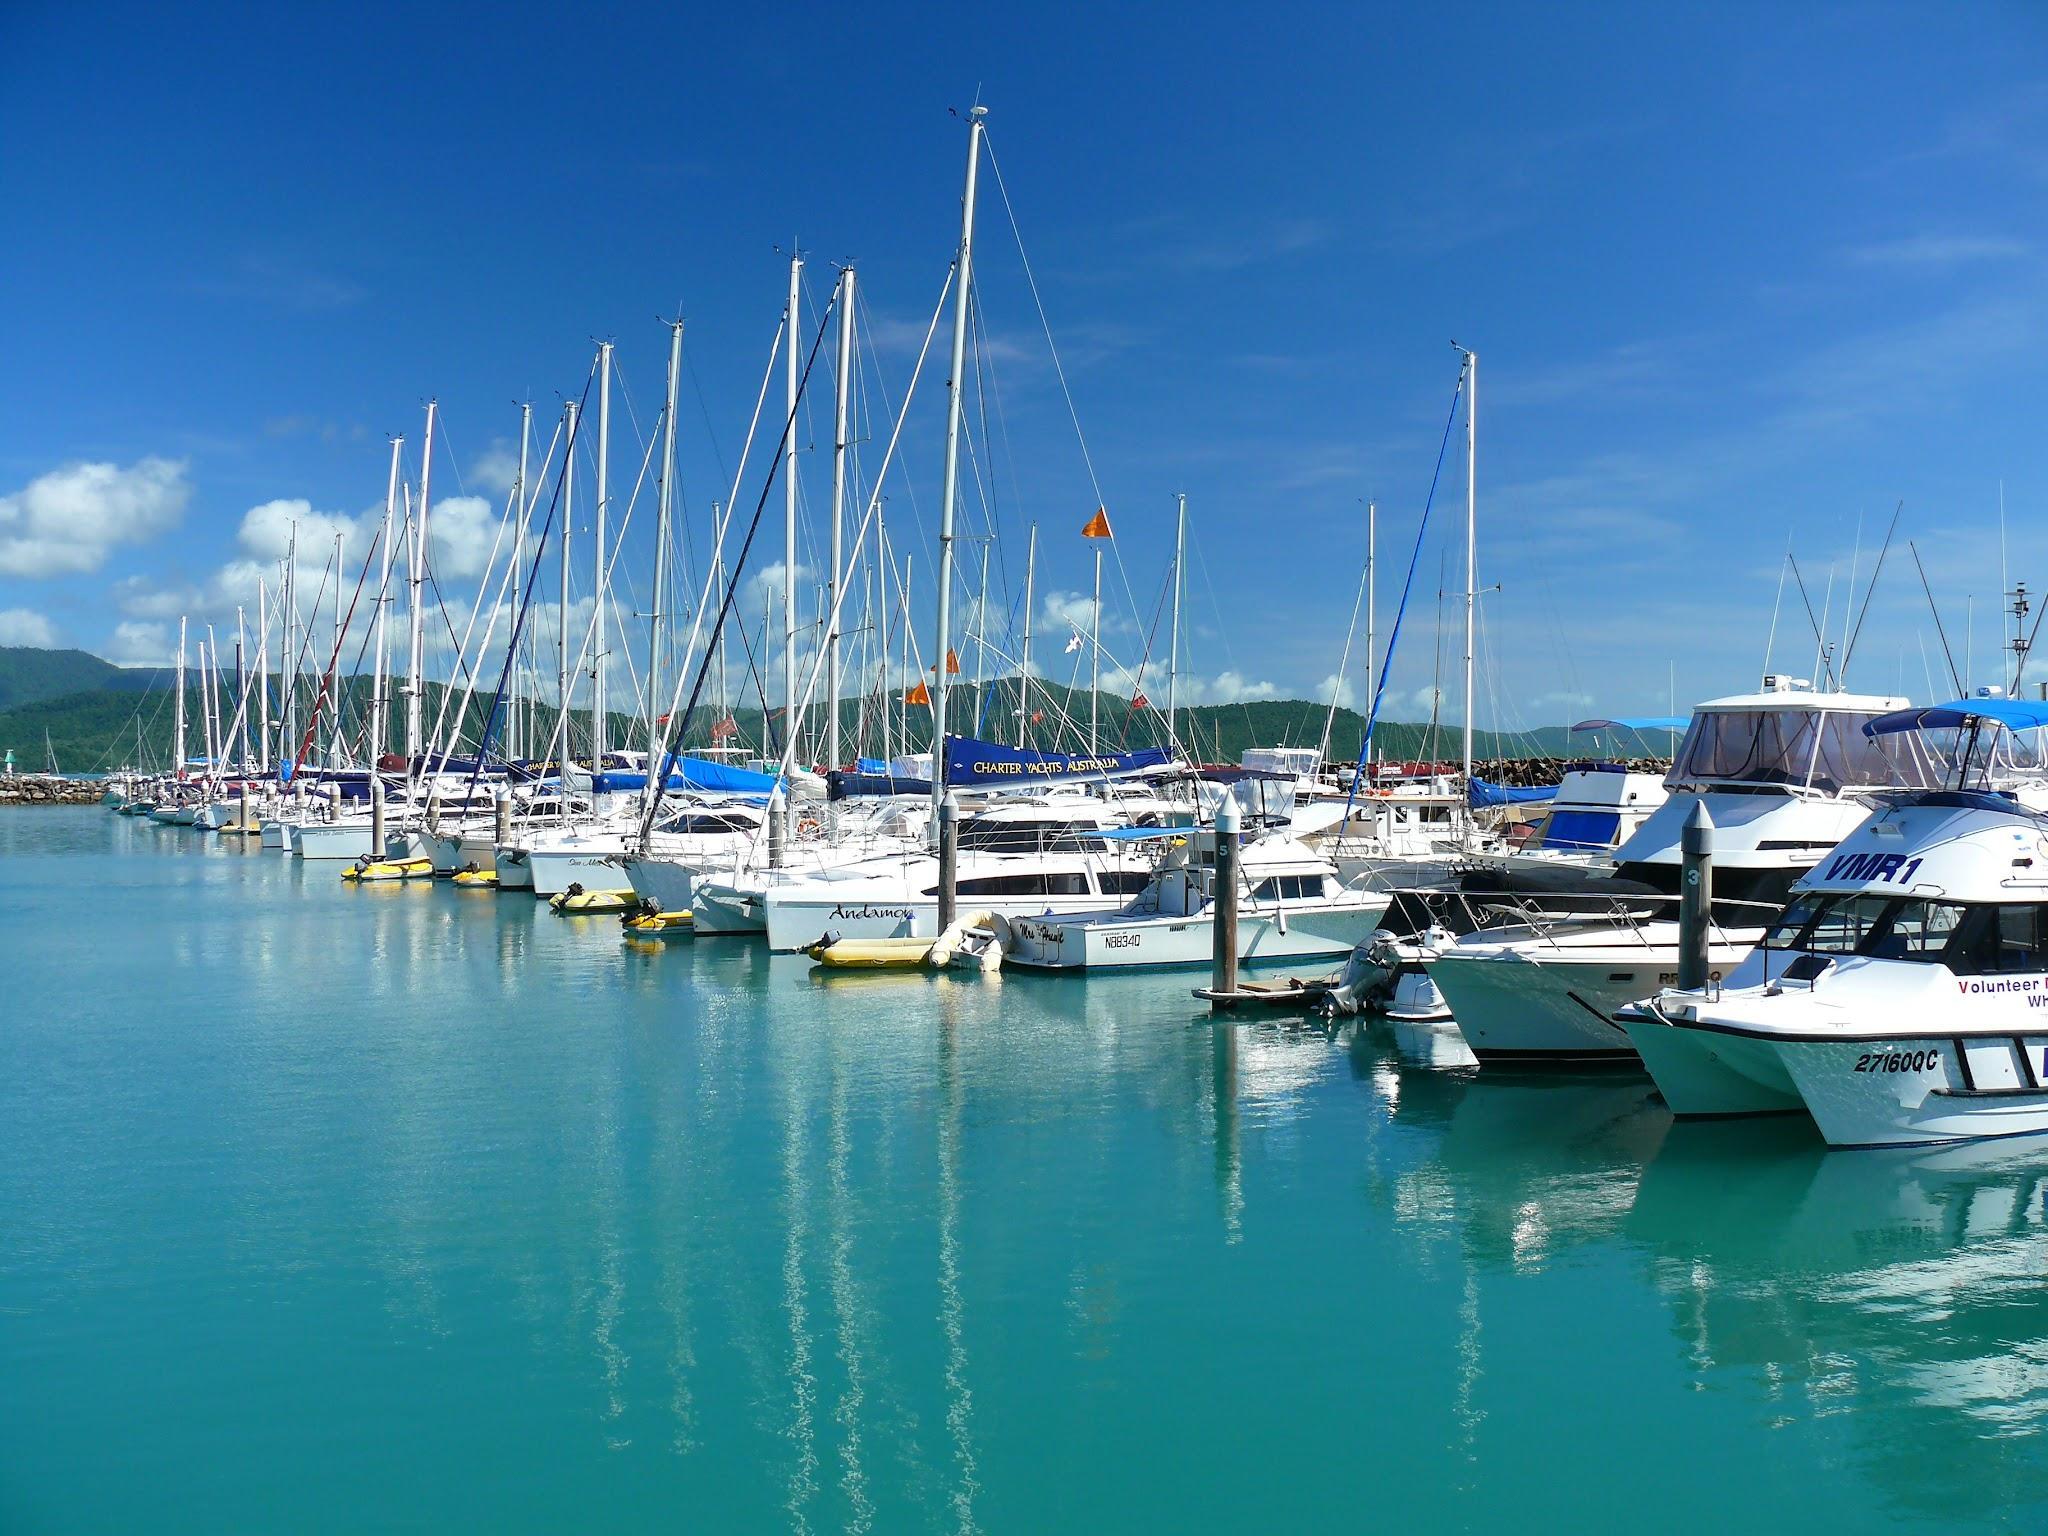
1372, 519
380, 685
1095, 661
418, 572
600, 640
562, 610
517, 734
263, 668
1024, 658
334, 672
1471, 535
289, 648
841, 416
790, 326
1180, 548
178, 766
656, 777
956, 392
241, 696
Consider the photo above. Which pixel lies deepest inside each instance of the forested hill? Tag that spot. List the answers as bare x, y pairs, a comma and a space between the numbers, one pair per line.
117, 716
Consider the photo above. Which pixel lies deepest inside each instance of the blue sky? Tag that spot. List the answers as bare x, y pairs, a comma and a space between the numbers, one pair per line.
1735, 276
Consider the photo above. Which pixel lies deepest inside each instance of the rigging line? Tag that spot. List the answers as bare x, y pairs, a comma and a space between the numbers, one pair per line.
1818, 637
1401, 613
540, 549
1771, 640
1868, 592
327, 681
657, 772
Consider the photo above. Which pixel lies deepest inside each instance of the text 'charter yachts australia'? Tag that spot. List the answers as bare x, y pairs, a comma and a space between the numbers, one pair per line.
1785, 775
1902, 996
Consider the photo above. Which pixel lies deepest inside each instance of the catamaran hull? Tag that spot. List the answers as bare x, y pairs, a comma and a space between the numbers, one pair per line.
553, 870
1705, 1073
514, 873
1108, 942
333, 840
1904, 1090
721, 911
670, 886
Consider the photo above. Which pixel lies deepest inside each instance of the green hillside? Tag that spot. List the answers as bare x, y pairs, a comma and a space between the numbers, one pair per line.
124, 717
29, 675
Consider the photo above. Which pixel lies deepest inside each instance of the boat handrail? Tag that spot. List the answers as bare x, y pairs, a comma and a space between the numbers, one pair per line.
1538, 921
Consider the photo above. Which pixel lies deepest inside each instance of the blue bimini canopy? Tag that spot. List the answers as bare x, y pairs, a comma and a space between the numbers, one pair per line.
1636, 723
1481, 793
2013, 714
692, 773
973, 764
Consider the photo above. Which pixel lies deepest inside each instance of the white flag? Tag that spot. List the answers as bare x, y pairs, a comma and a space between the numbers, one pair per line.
1075, 644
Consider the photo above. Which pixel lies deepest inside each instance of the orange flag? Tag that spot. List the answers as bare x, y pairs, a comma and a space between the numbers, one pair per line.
919, 694
952, 663
1098, 525
1139, 701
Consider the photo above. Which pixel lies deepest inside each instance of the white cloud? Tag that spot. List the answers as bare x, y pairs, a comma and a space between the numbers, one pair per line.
1225, 688
24, 626
267, 530
140, 645
1347, 693
68, 520
461, 528
497, 468
1936, 251
767, 584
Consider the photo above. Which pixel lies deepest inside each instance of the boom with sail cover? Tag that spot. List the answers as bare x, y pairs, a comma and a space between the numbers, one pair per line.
973, 763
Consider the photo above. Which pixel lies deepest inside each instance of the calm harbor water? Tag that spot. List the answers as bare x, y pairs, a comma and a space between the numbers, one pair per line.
409, 1208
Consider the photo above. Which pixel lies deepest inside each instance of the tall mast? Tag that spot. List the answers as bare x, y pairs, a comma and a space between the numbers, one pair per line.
290, 651
841, 403
207, 705
601, 640
1024, 659
657, 778
420, 549
178, 763
241, 695
956, 391
1095, 664
1471, 535
333, 671
1372, 519
880, 624
790, 327
517, 733
562, 637
903, 724
380, 686
1180, 546
262, 673
718, 585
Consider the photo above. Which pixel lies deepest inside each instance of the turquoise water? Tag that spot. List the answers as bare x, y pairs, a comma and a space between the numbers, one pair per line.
406, 1208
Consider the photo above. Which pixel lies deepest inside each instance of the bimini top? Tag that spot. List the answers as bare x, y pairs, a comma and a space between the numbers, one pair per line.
1635, 723
1795, 738
2013, 714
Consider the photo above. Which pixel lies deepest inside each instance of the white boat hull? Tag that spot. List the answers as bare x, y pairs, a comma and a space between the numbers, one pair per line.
1512, 1008
1905, 1090
669, 885
1113, 941
1705, 1073
514, 873
332, 840
596, 868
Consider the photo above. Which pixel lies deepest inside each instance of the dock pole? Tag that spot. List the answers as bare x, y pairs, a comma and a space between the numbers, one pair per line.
501, 817
376, 817
949, 860
248, 822
1695, 898
1223, 907
778, 828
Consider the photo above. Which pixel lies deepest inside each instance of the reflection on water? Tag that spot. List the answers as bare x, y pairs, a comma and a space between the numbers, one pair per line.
438, 1210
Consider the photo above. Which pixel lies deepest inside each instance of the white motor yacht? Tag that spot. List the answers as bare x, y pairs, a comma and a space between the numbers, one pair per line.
1902, 995
1785, 774
1291, 906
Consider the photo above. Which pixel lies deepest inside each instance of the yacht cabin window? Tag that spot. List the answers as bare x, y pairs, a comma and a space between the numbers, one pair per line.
1970, 938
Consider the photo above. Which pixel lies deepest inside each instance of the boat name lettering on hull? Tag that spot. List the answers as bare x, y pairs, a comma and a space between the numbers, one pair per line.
866, 911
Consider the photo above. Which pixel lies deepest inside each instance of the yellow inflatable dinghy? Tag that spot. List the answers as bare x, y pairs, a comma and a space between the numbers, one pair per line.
365, 871
871, 954
661, 925
577, 902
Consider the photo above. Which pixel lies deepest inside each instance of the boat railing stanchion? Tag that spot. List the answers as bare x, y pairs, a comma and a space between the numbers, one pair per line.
1223, 902
1695, 898
949, 859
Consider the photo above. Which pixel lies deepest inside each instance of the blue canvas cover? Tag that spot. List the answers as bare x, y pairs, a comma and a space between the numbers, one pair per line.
972, 763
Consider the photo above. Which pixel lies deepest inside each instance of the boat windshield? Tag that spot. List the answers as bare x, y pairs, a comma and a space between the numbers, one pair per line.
1824, 748
1970, 938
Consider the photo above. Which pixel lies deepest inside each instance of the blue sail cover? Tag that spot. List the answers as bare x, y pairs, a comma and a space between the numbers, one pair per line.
692, 773
972, 764
2013, 714
840, 785
1481, 793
